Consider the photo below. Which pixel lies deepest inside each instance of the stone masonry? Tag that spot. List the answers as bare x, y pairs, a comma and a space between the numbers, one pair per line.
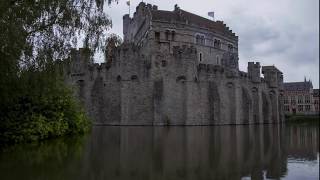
175, 68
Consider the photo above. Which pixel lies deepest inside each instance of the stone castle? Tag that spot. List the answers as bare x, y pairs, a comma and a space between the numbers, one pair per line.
175, 68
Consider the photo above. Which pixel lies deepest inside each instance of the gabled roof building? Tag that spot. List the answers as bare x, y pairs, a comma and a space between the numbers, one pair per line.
299, 97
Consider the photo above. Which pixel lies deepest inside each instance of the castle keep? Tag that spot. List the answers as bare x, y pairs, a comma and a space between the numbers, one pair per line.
175, 68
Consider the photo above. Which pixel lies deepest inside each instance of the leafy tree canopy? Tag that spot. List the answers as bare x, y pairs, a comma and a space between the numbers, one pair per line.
35, 32
35, 103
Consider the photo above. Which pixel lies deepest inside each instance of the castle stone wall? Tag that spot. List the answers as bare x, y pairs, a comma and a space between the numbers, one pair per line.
153, 80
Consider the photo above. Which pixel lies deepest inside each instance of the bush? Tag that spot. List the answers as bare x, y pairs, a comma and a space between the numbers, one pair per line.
44, 108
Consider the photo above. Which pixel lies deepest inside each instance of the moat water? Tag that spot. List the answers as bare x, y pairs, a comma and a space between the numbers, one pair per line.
195, 153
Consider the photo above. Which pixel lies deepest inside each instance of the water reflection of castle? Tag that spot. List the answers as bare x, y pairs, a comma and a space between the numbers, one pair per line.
198, 152
143, 153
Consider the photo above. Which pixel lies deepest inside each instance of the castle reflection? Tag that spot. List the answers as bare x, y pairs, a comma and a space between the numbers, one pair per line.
195, 153
224, 152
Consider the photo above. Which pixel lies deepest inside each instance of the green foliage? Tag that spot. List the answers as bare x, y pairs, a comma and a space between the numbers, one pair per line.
45, 111
34, 33
303, 119
35, 104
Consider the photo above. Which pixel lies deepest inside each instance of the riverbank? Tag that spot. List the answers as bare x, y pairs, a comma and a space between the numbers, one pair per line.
302, 119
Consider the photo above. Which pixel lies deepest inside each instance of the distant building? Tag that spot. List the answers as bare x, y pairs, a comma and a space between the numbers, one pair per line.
298, 98
316, 100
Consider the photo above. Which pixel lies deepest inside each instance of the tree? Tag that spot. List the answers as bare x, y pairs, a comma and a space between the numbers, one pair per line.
35, 33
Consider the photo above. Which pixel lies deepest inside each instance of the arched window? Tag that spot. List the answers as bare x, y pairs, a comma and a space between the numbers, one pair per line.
198, 39
217, 60
202, 40
217, 43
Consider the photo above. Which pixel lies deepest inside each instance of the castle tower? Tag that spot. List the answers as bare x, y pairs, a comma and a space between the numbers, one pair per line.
126, 22
272, 76
254, 72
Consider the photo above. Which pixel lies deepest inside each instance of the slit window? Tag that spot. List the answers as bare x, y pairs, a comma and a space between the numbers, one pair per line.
200, 57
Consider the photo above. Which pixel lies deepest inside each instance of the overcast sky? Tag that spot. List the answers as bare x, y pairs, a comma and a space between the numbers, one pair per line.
284, 33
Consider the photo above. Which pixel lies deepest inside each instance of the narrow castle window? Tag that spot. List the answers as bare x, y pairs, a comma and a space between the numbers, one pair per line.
157, 36
134, 77
181, 78
200, 57
163, 63
167, 35
218, 60
118, 78
173, 34
202, 40
217, 43
230, 47
197, 39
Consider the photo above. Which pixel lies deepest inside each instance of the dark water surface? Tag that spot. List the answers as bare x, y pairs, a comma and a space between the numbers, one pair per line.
200, 152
